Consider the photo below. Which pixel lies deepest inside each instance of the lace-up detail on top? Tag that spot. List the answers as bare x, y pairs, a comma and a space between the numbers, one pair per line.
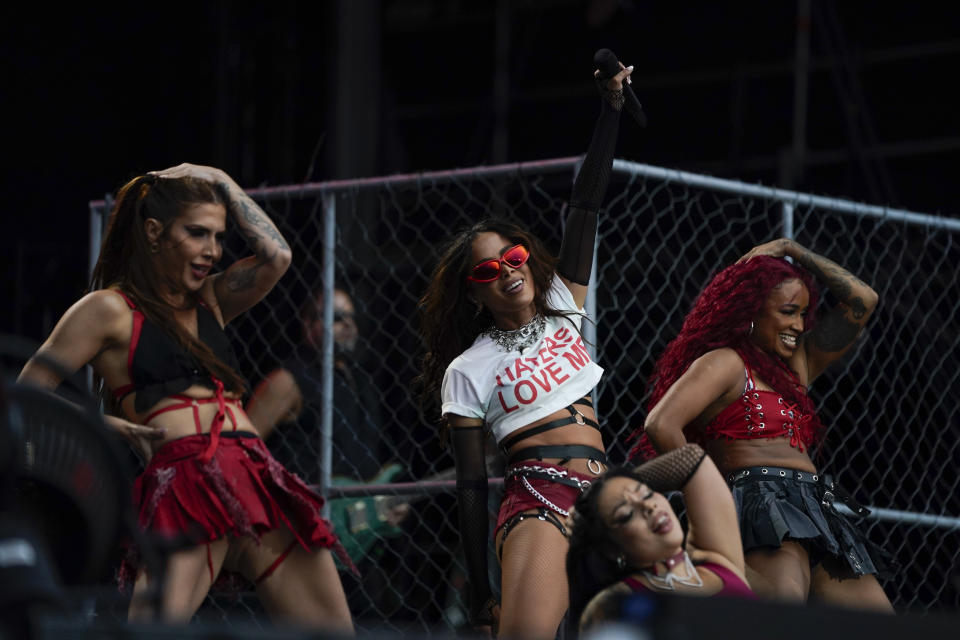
762, 414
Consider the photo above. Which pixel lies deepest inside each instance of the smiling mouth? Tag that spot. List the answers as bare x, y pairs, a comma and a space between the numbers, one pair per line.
513, 286
200, 271
789, 339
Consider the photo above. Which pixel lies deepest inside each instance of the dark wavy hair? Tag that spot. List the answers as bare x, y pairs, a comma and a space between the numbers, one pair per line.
449, 322
721, 317
125, 260
590, 567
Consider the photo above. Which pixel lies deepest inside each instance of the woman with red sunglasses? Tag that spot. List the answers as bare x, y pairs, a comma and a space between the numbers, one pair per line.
501, 319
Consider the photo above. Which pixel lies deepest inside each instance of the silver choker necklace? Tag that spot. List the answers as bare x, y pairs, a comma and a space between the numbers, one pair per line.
520, 338
668, 582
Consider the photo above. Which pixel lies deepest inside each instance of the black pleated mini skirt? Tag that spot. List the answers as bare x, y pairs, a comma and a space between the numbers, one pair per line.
776, 504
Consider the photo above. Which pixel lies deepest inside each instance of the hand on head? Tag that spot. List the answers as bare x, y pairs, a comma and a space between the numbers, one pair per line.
187, 170
775, 248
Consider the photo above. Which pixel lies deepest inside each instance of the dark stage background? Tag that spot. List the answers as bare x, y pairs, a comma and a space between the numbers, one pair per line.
283, 92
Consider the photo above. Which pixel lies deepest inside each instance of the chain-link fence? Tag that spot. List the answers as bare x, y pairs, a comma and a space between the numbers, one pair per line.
890, 405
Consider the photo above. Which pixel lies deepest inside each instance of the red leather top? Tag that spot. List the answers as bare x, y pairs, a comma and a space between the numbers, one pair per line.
761, 414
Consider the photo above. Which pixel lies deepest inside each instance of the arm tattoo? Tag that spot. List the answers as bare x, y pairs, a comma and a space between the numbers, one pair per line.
839, 280
242, 278
257, 225
835, 332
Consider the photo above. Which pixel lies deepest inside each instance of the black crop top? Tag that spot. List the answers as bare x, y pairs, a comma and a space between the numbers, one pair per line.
158, 367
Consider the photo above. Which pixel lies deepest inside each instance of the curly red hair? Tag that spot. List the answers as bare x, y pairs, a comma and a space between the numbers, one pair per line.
722, 317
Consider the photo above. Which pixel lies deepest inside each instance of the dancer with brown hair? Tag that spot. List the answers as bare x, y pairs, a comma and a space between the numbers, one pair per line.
501, 319
152, 329
736, 379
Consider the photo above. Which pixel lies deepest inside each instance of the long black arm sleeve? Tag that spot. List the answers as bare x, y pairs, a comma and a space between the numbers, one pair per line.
576, 251
468, 453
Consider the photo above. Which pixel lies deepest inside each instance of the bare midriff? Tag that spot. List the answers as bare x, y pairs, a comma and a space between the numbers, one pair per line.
179, 423
571, 434
732, 454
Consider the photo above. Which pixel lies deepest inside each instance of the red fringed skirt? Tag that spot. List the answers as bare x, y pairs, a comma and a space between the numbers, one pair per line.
242, 491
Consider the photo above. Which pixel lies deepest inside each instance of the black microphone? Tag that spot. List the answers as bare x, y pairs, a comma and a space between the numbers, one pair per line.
606, 61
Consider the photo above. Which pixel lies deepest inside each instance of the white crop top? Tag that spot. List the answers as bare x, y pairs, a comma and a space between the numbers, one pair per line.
513, 390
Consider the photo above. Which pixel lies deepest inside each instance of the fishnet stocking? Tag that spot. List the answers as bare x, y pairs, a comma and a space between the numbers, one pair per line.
672, 470
534, 592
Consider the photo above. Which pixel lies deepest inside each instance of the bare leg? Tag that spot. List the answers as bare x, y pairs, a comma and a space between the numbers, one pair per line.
862, 592
780, 574
303, 589
534, 594
187, 582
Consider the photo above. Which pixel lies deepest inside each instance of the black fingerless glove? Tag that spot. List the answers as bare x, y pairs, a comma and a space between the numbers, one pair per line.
672, 470
468, 453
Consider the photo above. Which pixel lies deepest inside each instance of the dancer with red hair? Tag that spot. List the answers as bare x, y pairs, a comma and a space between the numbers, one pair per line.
735, 379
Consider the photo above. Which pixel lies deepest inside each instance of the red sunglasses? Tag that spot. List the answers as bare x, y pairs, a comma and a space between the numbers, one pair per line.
489, 270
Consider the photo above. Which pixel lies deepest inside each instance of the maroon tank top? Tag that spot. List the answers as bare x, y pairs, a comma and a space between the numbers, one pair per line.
733, 586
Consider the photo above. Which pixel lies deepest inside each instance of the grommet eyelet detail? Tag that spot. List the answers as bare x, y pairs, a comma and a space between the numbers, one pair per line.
815, 478
760, 415
782, 412
780, 400
756, 396
783, 474
761, 425
763, 471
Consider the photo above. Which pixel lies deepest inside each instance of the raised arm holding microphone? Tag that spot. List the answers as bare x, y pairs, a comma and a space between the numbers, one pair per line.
499, 313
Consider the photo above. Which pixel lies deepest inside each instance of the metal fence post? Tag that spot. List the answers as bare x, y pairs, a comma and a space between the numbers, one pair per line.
97, 214
326, 424
788, 220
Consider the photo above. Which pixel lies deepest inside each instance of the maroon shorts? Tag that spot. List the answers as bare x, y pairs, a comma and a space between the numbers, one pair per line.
242, 491
521, 488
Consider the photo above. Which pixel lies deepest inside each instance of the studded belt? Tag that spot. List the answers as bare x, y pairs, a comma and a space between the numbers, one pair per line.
831, 492
764, 473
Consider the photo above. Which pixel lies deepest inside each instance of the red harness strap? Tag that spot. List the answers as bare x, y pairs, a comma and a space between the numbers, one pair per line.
138, 319
216, 425
276, 563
